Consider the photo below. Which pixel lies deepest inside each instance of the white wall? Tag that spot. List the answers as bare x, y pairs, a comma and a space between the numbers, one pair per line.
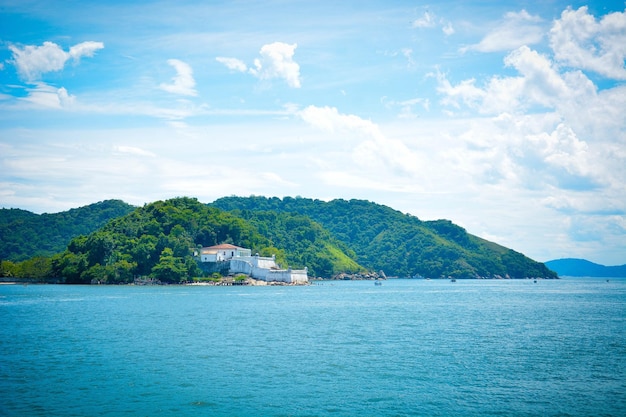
261, 268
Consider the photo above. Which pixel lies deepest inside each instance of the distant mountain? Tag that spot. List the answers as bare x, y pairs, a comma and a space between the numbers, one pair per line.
582, 268
382, 238
24, 235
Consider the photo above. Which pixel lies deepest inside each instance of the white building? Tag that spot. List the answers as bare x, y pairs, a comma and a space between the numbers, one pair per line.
223, 252
258, 267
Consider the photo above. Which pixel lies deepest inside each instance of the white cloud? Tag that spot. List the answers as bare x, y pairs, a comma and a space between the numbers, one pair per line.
329, 119
539, 85
133, 150
465, 92
85, 49
183, 82
515, 30
542, 83
427, 20
551, 131
46, 96
32, 61
580, 41
232, 63
407, 106
375, 151
448, 29
277, 62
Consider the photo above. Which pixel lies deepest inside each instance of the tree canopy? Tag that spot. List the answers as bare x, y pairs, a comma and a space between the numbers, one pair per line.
24, 235
400, 244
158, 241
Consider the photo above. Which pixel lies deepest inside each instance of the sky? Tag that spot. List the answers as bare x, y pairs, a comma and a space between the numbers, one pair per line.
507, 117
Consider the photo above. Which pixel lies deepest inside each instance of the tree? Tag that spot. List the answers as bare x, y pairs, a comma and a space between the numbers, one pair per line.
169, 269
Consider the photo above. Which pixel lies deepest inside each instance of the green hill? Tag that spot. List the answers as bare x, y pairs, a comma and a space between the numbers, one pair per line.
24, 235
399, 244
159, 239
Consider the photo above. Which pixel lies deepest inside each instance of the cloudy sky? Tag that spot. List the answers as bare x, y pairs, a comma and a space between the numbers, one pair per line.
508, 118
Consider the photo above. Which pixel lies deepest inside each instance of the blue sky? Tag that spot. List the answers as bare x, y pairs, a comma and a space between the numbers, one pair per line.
504, 117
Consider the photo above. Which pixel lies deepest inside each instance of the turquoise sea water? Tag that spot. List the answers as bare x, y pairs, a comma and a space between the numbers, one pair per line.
406, 348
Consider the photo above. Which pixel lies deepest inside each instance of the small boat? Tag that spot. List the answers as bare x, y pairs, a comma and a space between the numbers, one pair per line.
377, 282
453, 280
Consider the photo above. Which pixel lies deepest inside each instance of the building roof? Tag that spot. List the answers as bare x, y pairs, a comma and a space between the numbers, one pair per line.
223, 246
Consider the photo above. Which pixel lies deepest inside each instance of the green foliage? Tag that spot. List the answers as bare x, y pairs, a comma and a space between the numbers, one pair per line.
155, 241
158, 241
305, 243
37, 268
24, 235
170, 268
8, 269
399, 244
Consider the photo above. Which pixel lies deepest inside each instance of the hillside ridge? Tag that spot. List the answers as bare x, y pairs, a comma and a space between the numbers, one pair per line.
399, 244
576, 267
329, 238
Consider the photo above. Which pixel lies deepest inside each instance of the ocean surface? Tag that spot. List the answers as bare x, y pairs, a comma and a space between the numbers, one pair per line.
406, 348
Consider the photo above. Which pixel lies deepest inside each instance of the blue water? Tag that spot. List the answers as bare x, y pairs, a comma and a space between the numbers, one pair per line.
406, 348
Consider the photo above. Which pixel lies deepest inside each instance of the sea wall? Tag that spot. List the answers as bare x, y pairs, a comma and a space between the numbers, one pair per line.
265, 269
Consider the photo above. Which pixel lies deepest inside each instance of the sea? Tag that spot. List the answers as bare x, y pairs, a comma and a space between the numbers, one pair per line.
346, 348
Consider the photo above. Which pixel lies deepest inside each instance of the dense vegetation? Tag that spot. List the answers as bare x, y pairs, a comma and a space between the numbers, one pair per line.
24, 235
399, 244
159, 239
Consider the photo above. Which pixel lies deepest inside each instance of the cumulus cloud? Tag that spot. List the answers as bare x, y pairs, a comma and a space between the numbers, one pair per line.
558, 158
183, 82
538, 85
466, 92
33, 61
329, 119
276, 61
376, 150
515, 30
46, 96
232, 63
549, 127
579, 40
542, 84
85, 49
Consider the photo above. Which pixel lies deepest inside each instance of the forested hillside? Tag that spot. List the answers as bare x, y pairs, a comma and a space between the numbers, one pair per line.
159, 240
399, 244
24, 235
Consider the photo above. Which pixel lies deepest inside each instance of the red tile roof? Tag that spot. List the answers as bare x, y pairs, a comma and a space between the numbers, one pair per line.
223, 246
